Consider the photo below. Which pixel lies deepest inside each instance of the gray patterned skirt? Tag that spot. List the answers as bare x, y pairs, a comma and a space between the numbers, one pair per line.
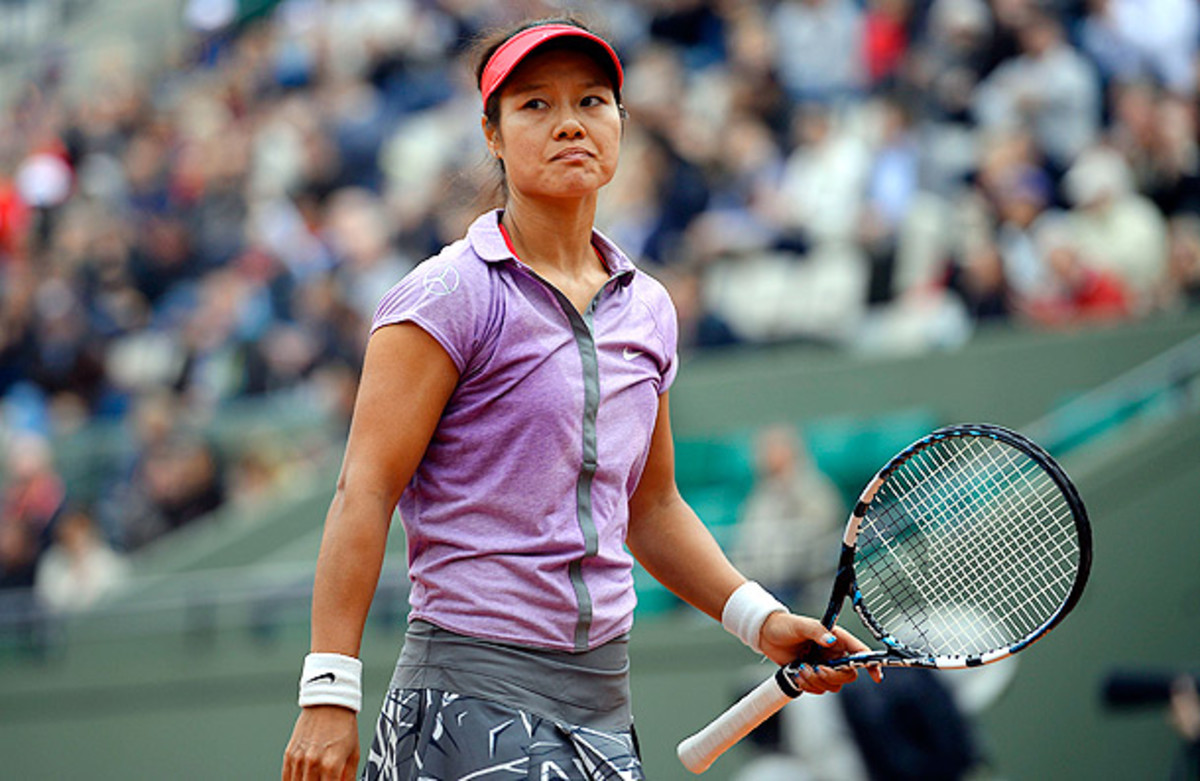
461, 709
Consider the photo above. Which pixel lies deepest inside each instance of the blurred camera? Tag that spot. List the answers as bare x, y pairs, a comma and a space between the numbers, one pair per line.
1139, 689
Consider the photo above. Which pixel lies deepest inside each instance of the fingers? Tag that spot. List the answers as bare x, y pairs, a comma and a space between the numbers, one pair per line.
847, 645
818, 679
323, 747
787, 636
319, 768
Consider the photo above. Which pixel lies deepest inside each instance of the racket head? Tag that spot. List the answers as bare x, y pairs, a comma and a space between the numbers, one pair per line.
968, 546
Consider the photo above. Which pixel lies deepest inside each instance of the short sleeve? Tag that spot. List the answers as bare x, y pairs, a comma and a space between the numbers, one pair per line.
666, 325
669, 373
443, 296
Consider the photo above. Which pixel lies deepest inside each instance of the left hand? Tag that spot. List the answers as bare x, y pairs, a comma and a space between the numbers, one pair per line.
787, 637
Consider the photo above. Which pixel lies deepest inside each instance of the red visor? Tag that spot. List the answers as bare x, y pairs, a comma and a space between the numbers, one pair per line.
515, 49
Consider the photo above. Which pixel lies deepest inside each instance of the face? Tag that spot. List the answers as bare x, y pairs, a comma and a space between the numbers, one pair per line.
560, 127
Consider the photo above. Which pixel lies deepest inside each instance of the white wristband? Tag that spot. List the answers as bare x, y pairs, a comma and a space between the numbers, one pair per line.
331, 679
746, 611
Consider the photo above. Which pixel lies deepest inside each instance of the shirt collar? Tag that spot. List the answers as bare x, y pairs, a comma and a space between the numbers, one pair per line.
489, 244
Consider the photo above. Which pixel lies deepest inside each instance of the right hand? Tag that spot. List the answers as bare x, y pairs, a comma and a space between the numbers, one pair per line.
324, 745
787, 636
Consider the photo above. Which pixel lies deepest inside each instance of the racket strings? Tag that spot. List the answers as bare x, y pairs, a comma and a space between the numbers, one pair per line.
989, 506
968, 547
966, 572
970, 557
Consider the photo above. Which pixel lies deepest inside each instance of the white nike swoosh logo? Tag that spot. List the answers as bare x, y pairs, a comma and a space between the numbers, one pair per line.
629, 355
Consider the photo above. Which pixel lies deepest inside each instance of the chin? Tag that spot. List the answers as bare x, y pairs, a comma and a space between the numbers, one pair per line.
580, 186
567, 192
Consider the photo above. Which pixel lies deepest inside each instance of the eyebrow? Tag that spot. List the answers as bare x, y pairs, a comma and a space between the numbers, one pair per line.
520, 89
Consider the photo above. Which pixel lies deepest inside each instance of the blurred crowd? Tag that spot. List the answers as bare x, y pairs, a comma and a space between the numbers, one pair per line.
875, 175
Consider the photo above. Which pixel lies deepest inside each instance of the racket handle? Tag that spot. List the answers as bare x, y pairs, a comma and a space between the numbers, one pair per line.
699, 751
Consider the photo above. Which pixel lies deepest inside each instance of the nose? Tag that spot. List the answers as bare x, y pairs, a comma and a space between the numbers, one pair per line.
569, 128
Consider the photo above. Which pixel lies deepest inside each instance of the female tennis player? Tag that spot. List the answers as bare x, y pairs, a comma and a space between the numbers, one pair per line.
514, 405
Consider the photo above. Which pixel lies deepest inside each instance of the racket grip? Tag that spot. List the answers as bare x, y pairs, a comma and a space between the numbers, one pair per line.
699, 751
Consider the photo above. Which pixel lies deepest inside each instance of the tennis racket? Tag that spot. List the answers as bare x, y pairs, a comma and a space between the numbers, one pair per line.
965, 548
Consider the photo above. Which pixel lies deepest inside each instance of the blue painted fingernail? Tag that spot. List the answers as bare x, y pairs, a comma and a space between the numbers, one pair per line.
830, 639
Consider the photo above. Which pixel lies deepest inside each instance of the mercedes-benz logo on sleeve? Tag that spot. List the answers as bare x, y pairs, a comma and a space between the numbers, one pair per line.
441, 280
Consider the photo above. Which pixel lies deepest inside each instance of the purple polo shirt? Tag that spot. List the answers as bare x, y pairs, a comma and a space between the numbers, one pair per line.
516, 515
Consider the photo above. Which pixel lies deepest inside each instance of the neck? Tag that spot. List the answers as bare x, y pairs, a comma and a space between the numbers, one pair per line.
555, 235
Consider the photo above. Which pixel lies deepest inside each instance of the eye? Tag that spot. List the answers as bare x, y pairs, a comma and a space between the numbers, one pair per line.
592, 101
534, 104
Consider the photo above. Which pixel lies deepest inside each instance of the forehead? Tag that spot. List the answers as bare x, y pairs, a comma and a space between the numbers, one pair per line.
553, 65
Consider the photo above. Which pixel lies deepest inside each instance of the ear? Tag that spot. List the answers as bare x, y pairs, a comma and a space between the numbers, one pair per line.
491, 135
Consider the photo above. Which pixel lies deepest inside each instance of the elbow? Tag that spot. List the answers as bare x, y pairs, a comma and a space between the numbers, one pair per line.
357, 501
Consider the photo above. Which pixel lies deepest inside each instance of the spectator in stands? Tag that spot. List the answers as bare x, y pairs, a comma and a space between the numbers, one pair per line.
885, 27
699, 326
1133, 40
979, 279
182, 480
1119, 229
745, 172
819, 49
696, 28
357, 233
681, 190
30, 505
33, 492
68, 360
820, 196
79, 568
20, 616
1182, 286
19, 554
754, 81
891, 188
789, 522
1015, 193
1184, 716
1049, 88
940, 77
1156, 134
149, 424
171, 477
1079, 290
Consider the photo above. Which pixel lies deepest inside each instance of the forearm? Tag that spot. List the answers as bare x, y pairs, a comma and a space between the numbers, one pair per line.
676, 548
351, 557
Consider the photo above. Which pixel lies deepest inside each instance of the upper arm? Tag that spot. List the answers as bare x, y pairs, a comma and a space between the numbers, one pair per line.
667, 537
656, 487
407, 378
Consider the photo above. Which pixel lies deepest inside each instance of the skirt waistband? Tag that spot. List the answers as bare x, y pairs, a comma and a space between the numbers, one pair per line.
589, 689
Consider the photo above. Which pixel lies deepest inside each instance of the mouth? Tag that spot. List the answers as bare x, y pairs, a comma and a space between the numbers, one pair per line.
573, 153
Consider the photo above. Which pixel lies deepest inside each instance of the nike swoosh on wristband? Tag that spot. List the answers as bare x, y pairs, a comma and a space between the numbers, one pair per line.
323, 676
629, 355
